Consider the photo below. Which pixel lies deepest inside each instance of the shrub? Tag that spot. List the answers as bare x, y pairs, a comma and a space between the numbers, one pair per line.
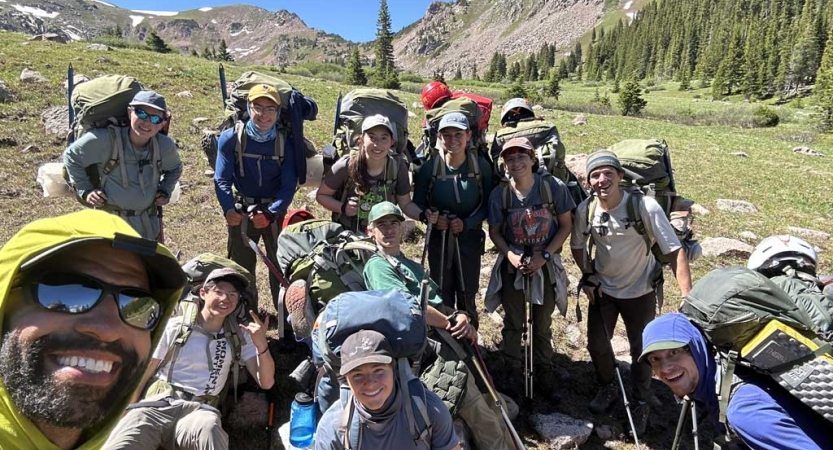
630, 99
765, 116
407, 77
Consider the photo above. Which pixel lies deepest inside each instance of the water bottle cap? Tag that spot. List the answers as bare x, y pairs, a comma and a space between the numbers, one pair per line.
302, 398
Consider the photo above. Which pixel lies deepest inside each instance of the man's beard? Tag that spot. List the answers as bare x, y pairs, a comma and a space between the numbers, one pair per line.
66, 404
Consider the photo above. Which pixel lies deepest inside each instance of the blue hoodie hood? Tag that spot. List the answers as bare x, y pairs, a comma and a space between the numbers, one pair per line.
676, 327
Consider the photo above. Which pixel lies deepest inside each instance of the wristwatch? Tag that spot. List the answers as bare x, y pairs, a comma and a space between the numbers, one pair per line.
546, 255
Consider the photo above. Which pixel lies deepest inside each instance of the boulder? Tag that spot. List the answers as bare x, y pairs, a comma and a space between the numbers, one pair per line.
736, 206
807, 151
740, 154
561, 431
580, 120
31, 76
574, 336
185, 94
722, 246
577, 164
55, 120
537, 108
748, 236
52, 37
99, 47
199, 120
76, 80
699, 210
815, 234
620, 346
208, 173
5, 94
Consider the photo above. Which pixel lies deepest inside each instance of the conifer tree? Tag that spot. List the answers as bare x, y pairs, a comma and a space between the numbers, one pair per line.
517, 90
355, 72
474, 72
563, 70
554, 84
824, 85
156, 43
514, 71
222, 53
630, 99
194, 53
385, 75
118, 32
458, 74
439, 75
208, 53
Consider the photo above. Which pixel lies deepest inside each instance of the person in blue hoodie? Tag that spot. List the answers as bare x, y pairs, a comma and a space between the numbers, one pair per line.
254, 186
760, 413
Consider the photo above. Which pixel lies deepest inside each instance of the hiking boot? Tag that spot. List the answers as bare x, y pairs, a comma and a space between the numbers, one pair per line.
604, 399
641, 411
299, 307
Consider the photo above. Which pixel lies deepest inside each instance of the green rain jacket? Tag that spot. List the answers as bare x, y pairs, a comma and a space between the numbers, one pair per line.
44, 236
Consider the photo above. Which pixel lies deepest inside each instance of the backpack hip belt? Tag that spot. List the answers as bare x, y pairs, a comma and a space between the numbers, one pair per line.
112, 209
246, 201
161, 389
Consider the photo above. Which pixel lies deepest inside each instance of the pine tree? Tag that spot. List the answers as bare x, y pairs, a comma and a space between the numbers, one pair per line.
194, 53
824, 85
501, 66
554, 85
156, 43
563, 70
514, 71
517, 90
355, 72
386, 76
474, 72
222, 53
118, 32
630, 99
458, 74
439, 75
208, 53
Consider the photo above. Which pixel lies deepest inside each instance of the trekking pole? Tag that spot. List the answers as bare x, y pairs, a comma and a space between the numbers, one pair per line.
694, 426
223, 90
618, 375
70, 88
461, 292
679, 431
161, 236
269, 424
527, 328
443, 237
428, 231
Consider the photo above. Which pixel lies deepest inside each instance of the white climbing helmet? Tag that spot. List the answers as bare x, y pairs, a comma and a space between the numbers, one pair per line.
773, 251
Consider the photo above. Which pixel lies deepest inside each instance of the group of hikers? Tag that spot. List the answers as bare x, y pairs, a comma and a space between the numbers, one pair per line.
79, 372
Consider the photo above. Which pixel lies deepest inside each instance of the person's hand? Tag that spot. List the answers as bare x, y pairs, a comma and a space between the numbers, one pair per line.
457, 226
591, 283
257, 331
442, 222
233, 218
432, 216
514, 259
463, 328
96, 198
536, 262
161, 199
351, 209
259, 219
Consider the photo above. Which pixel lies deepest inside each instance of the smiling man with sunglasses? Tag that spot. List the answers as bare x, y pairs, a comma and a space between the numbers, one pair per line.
83, 301
619, 278
128, 171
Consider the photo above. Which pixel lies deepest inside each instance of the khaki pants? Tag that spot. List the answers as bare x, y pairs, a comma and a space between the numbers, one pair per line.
169, 424
513, 301
487, 428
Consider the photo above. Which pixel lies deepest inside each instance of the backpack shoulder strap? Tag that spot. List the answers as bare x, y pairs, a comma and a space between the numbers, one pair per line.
545, 187
391, 175
232, 334
189, 318
634, 208
280, 146
240, 145
506, 197
116, 155
474, 166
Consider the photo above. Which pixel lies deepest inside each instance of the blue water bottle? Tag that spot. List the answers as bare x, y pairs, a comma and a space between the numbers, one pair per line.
302, 421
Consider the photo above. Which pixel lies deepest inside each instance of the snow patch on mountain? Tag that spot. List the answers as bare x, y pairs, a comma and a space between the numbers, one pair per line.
137, 20
156, 13
105, 3
37, 12
206, 8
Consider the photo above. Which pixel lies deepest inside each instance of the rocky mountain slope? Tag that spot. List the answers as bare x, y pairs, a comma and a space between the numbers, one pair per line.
456, 34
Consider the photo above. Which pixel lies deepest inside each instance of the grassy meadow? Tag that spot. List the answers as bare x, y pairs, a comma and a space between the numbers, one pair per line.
788, 189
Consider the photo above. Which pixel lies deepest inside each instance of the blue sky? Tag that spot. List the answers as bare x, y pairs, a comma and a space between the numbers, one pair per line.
353, 20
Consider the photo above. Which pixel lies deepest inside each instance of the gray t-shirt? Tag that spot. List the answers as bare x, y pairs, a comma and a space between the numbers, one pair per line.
623, 263
529, 221
396, 435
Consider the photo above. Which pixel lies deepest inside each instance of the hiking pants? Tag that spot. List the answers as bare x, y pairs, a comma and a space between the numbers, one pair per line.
513, 321
487, 428
169, 424
636, 313
472, 245
240, 252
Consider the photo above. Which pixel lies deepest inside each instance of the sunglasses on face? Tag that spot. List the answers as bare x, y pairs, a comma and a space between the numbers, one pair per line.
153, 118
602, 229
75, 293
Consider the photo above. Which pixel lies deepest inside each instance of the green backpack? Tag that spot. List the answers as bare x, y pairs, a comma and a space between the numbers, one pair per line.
365, 102
470, 109
544, 136
197, 270
103, 103
752, 323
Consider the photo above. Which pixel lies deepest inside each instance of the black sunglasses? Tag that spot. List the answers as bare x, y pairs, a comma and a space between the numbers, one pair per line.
142, 114
602, 229
74, 293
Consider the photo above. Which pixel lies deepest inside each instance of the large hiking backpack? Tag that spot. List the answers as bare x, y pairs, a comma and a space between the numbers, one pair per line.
103, 103
752, 323
196, 271
474, 112
399, 318
294, 110
648, 172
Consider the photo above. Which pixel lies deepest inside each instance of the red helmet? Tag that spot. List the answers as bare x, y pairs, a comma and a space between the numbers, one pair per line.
433, 93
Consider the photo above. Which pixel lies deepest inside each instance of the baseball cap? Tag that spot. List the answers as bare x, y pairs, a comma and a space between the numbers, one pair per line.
364, 347
224, 274
375, 121
456, 120
264, 91
518, 142
666, 332
150, 98
383, 209
601, 158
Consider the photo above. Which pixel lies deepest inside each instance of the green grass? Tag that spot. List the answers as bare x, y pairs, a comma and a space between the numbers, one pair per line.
787, 188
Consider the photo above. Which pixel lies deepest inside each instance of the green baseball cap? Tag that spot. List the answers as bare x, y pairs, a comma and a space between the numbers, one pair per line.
660, 345
383, 209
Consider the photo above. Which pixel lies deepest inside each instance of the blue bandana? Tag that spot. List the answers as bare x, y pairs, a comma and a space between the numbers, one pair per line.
255, 134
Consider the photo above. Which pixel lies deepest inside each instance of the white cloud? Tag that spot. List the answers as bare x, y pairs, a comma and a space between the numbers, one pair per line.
157, 13
206, 9
137, 20
105, 3
37, 12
